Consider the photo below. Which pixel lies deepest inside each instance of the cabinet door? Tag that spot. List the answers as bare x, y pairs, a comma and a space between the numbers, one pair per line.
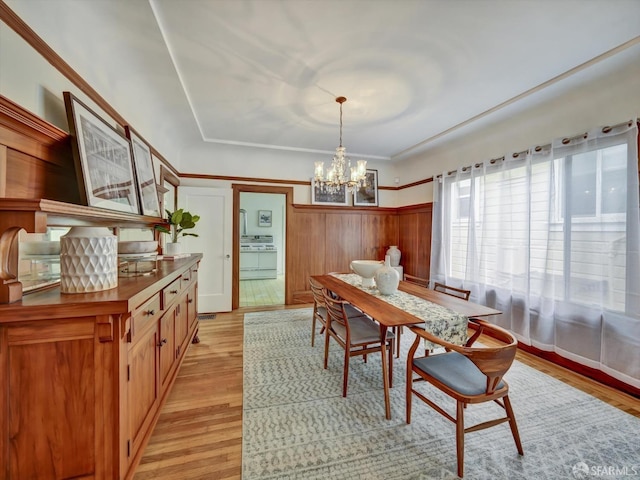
144, 392
192, 304
167, 346
182, 325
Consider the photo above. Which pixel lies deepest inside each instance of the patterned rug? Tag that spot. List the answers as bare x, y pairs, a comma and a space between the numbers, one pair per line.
296, 425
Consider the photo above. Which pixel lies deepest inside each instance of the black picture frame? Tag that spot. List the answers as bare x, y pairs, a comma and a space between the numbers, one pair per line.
264, 218
320, 197
367, 196
145, 174
102, 156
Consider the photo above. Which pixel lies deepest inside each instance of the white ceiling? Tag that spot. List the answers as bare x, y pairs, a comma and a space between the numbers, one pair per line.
266, 72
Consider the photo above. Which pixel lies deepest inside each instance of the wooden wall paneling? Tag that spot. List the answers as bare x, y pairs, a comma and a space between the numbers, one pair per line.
30, 177
343, 241
408, 242
415, 239
379, 232
305, 251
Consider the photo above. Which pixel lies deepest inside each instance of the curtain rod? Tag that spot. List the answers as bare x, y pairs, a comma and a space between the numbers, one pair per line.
538, 148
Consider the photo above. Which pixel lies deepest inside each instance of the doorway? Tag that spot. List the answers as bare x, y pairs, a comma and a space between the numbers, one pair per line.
257, 217
262, 247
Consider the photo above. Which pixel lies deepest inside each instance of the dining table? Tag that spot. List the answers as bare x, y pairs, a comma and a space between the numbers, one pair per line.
446, 316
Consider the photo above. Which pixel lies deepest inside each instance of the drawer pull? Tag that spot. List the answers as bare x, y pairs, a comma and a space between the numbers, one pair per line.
161, 344
150, 312
191, 300
186, 279
173, 291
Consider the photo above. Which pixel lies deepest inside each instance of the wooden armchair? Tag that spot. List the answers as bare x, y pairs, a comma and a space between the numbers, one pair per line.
358, 336
469, 375
456, 292
320, 310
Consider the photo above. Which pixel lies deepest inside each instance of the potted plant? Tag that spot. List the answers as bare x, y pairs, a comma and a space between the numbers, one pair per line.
179, 221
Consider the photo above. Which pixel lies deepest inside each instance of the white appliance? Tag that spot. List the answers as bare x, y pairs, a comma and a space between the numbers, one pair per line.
258, 257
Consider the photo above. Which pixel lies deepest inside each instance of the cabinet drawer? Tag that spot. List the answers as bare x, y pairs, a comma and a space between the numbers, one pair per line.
185, 280
170, 292
146, 313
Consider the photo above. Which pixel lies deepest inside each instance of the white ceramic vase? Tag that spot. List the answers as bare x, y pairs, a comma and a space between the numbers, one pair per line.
387, 278
172, 248
88, 260
394, 252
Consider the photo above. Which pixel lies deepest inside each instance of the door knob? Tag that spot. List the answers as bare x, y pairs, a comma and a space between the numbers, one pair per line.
228, 256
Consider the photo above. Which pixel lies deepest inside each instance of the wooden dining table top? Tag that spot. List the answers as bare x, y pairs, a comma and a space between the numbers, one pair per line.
392, 316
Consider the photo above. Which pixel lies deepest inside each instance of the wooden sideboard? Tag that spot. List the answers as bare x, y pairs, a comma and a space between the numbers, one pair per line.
84, 376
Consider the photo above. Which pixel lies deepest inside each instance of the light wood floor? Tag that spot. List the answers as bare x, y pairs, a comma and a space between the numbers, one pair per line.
199, 433
255, 293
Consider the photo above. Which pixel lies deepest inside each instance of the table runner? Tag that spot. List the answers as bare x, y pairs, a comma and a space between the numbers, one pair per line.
439, 321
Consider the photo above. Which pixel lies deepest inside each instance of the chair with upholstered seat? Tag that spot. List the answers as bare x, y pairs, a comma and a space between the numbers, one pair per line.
469, 375
320, 310
358, 336
453, 291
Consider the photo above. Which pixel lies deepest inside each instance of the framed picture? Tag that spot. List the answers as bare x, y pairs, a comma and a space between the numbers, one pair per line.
320, 197
145, 176
102, 155
264, 218
367, 196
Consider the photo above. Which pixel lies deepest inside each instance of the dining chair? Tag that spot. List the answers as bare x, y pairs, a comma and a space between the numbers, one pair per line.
453, 291
469, 375
423, 282
358, 336
320, 310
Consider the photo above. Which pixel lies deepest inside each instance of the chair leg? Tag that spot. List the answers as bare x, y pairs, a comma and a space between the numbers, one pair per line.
409, 393
398, 334
512, 424
460, 438
326, 350
345, 375
313, 330
390, 343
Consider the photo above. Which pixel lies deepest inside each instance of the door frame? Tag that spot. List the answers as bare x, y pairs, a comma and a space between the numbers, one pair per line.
237, 189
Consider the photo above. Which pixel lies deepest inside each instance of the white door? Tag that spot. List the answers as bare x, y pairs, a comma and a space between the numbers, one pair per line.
214, 241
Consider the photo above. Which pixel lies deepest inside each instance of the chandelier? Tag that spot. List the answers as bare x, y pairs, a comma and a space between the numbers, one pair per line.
341, 172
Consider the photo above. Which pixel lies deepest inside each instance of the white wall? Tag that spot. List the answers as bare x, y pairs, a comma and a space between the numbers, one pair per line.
578, 105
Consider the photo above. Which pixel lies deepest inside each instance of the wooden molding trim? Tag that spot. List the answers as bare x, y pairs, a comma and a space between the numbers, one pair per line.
341, 209
244, 179
22, 121
589, 372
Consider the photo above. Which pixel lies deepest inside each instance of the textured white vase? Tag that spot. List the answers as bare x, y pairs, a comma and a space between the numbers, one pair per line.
88, 260
394, 252
387, 278
172, 248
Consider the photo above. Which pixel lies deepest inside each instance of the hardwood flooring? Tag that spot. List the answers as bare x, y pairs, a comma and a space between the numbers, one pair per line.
199, 433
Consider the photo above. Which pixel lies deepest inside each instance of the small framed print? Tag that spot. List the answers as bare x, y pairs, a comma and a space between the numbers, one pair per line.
145, 176
367, 195
102, 155
319, 196
264, 218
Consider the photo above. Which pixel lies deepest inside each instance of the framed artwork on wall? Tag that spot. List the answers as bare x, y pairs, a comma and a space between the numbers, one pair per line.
145, 175
264, 218
320, 197
102, 156
367, 196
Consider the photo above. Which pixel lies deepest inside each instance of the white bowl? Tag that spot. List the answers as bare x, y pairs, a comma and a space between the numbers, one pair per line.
40, 248
366, 269
138, 246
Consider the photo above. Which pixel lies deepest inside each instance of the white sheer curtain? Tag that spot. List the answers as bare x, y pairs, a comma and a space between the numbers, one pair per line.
551, 238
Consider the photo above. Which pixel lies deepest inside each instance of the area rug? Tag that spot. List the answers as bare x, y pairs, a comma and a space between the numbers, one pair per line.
297, 425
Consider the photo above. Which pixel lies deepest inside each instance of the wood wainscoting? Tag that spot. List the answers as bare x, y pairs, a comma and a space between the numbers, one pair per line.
326, 239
